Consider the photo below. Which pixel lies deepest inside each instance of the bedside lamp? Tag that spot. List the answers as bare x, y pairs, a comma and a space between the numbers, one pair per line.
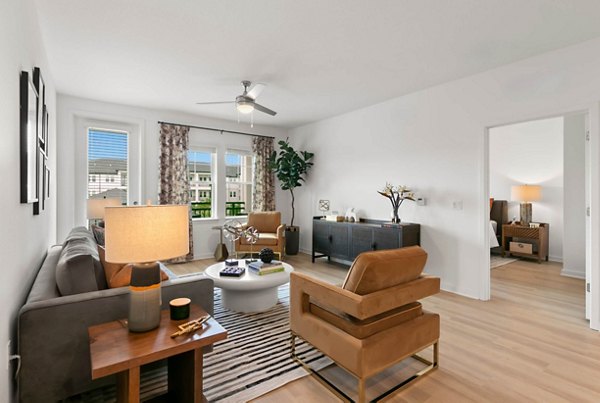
526, 194
95, 208
142, 235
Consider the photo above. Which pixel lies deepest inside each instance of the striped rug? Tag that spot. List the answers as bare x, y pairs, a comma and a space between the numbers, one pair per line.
253, 360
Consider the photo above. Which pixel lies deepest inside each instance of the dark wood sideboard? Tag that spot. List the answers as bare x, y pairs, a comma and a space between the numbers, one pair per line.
346, 240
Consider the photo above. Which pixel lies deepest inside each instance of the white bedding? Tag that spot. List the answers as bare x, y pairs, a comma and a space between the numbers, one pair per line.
493, 240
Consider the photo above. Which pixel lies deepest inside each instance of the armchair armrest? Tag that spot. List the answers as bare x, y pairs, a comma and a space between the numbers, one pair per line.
303, 288
280, 233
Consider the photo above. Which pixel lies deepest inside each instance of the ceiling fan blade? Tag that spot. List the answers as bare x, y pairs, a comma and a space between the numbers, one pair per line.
215, 103
261, 108
256, 90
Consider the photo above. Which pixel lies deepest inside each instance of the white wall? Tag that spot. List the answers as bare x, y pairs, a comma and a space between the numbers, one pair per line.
24, 238
434, 140
531, 153
574, 196
72, 164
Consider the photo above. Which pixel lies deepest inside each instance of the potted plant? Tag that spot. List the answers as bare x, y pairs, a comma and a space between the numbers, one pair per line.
290, 166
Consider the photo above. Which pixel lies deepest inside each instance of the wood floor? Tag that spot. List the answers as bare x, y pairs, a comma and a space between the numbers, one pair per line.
531, 342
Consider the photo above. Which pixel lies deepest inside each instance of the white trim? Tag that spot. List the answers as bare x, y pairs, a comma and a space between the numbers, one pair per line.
572, 274
592, 238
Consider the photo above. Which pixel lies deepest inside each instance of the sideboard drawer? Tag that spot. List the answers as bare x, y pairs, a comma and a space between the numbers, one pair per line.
521, 247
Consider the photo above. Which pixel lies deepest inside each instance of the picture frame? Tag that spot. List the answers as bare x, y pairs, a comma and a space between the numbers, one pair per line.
29, 192
40, 86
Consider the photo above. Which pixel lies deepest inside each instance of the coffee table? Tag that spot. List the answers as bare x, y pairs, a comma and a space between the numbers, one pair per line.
250, 292
115, 350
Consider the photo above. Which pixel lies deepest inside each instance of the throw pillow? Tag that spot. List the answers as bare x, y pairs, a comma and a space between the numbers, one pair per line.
118, 274
98, 234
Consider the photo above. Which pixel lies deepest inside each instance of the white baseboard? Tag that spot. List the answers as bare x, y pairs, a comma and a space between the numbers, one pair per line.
572, 273
557, 259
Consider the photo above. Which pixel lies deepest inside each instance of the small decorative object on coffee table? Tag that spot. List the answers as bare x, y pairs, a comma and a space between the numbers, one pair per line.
266, 255
232, 271
396, 195
233, 231
251, 235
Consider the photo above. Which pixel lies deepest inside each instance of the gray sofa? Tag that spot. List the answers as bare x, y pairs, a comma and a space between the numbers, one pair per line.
52, 329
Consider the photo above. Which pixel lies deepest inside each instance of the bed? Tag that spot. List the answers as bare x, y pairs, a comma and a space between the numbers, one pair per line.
498, 217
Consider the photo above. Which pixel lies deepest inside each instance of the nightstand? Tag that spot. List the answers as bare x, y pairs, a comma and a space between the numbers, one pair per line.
523, 241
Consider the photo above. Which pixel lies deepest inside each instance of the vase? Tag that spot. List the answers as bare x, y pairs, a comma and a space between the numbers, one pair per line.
395, 218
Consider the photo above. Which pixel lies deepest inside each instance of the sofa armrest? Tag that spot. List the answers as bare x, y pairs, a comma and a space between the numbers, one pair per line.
303, 288
53, 334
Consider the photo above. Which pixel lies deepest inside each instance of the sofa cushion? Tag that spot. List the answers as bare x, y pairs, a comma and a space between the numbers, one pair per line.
263, 239
377, 270
266, 221
79, 233
79, 269
118, 274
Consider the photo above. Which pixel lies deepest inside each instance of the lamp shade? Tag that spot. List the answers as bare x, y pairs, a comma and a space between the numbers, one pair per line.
138, 234
526, 193
95, 207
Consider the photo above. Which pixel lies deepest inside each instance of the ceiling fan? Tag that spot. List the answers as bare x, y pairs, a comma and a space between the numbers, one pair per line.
246, 103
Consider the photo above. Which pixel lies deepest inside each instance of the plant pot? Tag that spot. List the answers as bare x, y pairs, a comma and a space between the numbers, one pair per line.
292, 240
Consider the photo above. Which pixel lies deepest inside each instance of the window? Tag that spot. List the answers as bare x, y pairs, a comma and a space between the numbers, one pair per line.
107, 155
200, 170
238, 182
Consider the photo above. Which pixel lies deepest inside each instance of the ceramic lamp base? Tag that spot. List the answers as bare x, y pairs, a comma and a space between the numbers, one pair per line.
144, 297
525, 213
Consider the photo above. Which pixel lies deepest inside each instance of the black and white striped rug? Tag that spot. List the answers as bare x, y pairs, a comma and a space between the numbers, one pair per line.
253, 360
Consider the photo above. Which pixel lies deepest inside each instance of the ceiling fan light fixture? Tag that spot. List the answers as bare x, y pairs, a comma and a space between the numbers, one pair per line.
245, 107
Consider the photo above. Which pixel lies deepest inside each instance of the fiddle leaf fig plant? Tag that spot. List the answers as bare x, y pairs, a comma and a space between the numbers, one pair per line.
290, 167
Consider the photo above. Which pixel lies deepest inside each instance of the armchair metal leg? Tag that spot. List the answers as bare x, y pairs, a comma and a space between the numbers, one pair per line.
431, 365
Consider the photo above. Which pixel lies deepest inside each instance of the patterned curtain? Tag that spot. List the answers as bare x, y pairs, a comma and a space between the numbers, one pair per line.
263, 196
174, 180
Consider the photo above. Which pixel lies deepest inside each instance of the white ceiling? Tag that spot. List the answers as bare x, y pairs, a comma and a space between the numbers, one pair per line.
319, 58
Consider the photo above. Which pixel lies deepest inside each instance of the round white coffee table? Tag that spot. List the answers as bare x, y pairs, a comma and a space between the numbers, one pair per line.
250, 292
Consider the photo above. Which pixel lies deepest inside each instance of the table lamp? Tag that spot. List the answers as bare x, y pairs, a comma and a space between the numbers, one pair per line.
526, 194
142, 235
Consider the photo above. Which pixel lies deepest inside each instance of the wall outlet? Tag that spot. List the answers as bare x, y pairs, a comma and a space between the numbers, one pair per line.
421, 201
457, 205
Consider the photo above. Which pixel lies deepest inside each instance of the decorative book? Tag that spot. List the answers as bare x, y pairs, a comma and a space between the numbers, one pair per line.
262, 268
232, 271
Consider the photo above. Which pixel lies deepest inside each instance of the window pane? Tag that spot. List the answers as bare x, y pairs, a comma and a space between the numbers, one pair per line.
238, 170
107, 164
201, 189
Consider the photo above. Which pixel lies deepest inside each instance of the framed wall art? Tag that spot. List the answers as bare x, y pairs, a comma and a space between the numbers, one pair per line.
28, 140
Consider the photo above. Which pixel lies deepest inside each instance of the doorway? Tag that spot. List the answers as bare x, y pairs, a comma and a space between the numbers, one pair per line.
550, 159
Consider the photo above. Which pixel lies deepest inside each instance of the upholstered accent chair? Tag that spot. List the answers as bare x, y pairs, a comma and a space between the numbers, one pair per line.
271, 233
373, 321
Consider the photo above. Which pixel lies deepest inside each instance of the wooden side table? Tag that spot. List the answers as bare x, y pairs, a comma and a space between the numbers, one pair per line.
115, 350
537, 237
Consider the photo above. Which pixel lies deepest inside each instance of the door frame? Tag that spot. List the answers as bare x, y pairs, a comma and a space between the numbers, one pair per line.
592, 198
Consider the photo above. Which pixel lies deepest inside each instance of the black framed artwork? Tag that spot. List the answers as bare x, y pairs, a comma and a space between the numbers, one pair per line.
28, 140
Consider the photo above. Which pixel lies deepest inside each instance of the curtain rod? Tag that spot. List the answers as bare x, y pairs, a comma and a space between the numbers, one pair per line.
217, 130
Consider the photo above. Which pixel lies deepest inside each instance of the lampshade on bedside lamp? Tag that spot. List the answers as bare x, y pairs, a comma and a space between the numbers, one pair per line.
142, 235
95, 207
526, 194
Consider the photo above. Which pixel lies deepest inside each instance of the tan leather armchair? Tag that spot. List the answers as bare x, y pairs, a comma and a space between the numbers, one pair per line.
373, 320
271, 233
